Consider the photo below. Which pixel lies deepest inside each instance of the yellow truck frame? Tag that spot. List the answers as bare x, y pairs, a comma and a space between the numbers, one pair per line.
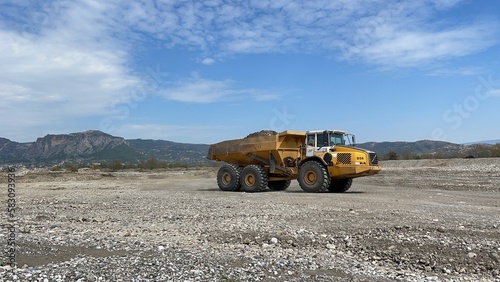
320, 160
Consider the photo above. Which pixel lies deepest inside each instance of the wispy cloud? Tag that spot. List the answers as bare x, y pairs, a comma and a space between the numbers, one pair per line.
60, 63
384, 33
199, 90
495, 92
393, 47
55, 79
390, 33
208, 61
461, 71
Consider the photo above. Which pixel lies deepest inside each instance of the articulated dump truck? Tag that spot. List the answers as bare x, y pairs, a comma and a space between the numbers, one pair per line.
320, 161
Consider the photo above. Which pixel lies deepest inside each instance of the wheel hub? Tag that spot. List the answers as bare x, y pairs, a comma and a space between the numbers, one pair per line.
226, 178
250, 180
311, 177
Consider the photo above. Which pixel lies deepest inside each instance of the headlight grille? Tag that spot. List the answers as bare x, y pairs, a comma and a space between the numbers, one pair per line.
344, 158
373, 159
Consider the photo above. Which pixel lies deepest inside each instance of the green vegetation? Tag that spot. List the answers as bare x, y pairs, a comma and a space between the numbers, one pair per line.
485, 151
152, 163
66, 167
121, 152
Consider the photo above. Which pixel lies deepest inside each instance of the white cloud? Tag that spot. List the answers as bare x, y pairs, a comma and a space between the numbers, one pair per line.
461, 71
385, 33
495, 92
40, 72
59, 65
208, 61
398, 48
199, 90
445, 3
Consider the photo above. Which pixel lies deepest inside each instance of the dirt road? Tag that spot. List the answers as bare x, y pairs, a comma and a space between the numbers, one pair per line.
416, 221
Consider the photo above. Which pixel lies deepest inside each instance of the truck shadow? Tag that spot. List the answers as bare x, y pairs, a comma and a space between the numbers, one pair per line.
320, 193
273, 191
209, 190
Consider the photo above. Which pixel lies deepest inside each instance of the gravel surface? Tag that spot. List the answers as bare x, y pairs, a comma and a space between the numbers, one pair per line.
433, 220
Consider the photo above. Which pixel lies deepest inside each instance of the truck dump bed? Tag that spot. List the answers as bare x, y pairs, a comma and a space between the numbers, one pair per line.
281, 147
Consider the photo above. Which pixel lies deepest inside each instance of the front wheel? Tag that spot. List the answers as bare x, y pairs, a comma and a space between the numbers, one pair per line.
313, 177
339, 185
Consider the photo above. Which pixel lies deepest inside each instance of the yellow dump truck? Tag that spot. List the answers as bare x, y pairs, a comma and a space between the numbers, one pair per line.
320, 160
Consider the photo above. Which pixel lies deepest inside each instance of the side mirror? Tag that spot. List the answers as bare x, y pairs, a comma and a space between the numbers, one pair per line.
353, 140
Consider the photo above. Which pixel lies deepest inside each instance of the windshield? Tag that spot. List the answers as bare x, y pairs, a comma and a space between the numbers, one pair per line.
337, 139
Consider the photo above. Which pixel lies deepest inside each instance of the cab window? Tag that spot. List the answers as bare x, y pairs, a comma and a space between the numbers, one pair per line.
337, 139
322, 140
310, 140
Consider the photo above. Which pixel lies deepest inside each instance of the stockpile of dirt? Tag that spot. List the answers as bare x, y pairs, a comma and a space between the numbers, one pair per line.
262, 133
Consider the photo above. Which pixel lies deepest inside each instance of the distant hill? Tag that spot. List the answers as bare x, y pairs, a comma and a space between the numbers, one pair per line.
417, 148
96, 146
491, 142
54, 148
193, 154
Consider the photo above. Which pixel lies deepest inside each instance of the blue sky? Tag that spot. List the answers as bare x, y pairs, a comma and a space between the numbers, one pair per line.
206, 71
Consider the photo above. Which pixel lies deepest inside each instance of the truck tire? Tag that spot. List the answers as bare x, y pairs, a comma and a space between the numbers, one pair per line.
253, 178
279, 185
228, 178
339, 185
313, 177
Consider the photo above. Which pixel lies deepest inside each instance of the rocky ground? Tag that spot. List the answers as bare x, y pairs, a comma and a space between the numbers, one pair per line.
428, 220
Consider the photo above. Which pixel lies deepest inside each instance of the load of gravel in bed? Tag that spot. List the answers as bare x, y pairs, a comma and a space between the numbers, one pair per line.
262, 133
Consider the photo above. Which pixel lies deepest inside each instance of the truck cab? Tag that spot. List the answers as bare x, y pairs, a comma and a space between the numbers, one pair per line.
325, 140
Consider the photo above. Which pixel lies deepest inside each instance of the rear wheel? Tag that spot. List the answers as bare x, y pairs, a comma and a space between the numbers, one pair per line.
228, 178
253, 179
339, 185
279, 185
313, 177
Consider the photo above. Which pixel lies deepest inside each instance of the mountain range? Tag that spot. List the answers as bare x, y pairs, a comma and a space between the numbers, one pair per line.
422, 147
96, 146
491, 142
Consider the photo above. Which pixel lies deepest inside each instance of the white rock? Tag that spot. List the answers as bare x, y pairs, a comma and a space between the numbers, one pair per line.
472, 255
330, 246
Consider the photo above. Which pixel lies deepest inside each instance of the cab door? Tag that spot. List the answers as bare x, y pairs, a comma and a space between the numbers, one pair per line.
310, 144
